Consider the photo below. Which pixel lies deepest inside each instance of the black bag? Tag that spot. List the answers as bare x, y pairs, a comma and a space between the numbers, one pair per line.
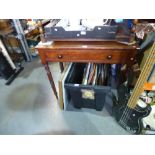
5, 69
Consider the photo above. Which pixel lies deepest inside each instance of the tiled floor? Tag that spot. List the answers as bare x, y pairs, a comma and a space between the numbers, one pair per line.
28, 106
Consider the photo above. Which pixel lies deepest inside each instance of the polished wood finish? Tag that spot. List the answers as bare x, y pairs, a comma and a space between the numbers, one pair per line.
96, 56
98, 52
80, 51
90, 45
50, 79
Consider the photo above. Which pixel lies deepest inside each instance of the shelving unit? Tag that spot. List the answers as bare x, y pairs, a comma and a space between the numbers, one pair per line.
13, 49
30, 29
15, 70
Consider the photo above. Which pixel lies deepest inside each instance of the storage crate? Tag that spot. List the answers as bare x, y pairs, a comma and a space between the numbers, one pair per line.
84, 96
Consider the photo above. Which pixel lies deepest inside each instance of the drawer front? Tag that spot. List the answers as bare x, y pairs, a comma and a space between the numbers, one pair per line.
98, 56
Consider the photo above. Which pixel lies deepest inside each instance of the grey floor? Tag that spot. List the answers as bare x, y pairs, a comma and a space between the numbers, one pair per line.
28, 106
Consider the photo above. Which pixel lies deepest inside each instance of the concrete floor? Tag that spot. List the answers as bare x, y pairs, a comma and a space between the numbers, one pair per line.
28, 106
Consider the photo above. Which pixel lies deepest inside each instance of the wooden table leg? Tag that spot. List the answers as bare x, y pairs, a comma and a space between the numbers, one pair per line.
129, 75
61, 66
50, 79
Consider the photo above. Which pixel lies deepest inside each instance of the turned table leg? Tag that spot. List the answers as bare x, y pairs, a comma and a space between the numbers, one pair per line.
50, 79
130, 74
61, 66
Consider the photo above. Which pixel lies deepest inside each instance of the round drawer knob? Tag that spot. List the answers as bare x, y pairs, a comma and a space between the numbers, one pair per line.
60, 56
109, 57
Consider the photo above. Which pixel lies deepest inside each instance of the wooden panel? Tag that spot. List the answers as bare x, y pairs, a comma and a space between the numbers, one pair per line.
98, 56
93, 45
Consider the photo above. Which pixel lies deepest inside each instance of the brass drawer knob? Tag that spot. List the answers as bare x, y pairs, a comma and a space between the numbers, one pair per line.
60, 56
109, 57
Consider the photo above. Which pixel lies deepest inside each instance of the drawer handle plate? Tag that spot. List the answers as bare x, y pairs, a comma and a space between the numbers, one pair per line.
109, 57
60, 56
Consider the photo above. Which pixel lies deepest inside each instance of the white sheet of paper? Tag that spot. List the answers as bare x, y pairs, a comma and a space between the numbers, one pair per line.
63, 88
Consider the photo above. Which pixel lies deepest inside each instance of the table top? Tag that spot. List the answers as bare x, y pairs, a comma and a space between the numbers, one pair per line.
56, 45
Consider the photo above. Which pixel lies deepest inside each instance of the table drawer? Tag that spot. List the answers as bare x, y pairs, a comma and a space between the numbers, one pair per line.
98, 56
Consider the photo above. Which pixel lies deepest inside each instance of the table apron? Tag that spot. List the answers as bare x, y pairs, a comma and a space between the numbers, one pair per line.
95, 56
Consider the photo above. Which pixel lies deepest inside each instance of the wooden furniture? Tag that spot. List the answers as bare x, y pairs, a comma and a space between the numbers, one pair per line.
85, 51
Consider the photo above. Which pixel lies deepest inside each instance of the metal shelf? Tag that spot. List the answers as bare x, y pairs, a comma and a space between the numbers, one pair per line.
44, 22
